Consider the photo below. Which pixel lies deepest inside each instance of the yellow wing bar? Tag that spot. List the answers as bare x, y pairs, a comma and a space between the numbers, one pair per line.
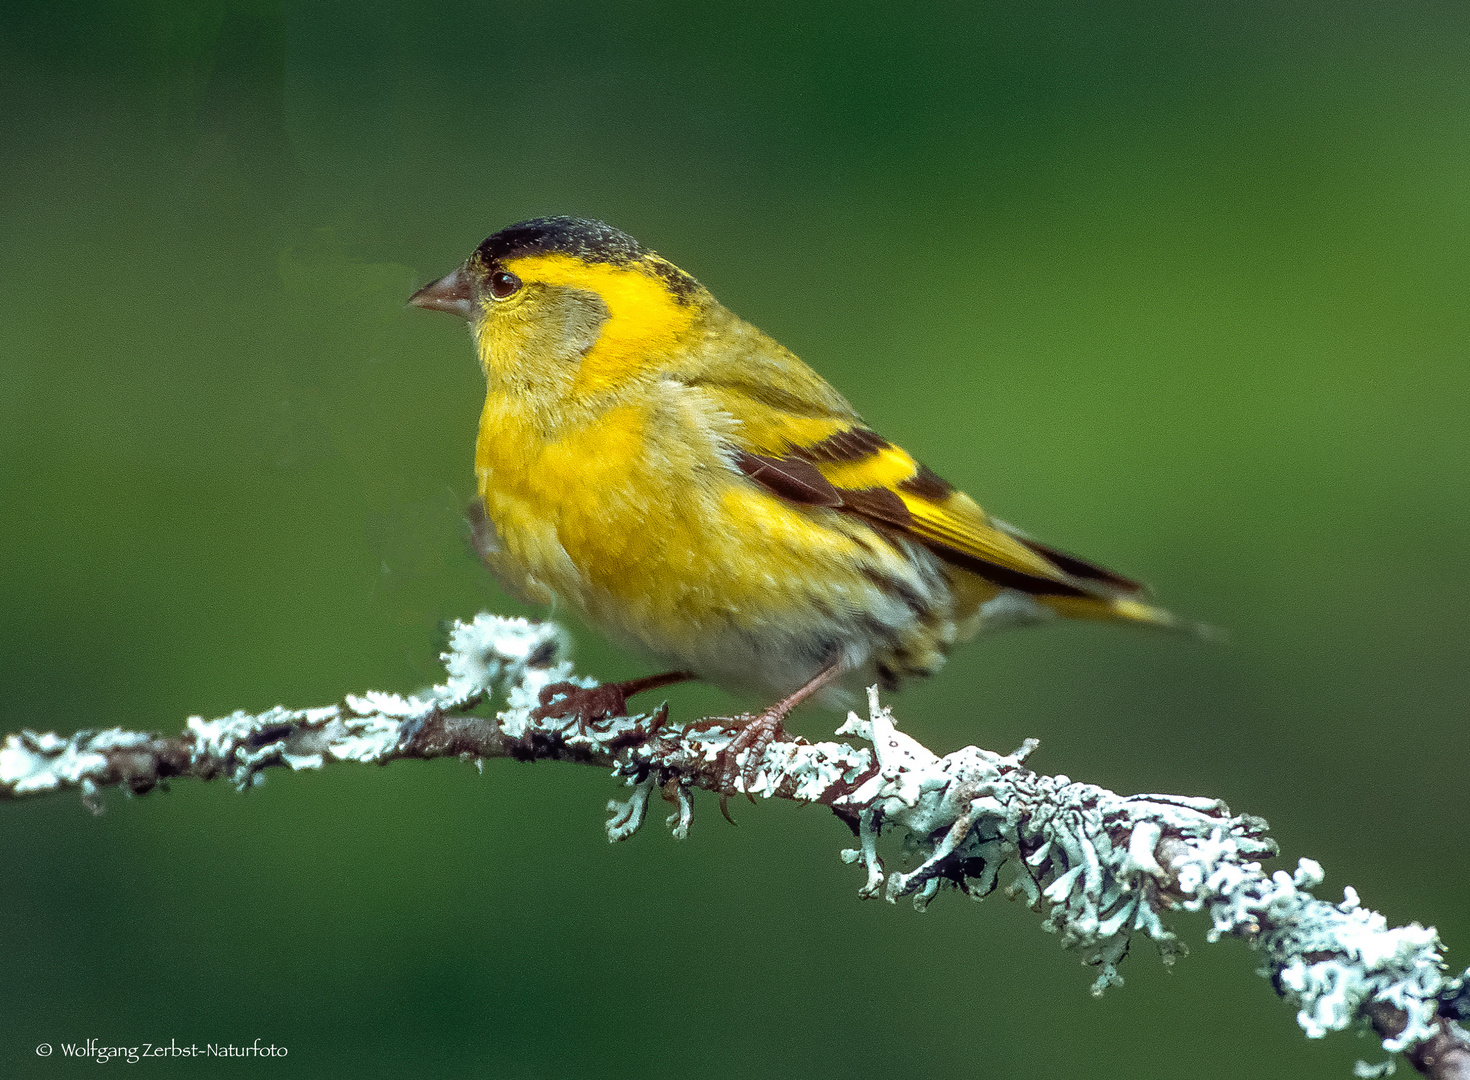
856, 471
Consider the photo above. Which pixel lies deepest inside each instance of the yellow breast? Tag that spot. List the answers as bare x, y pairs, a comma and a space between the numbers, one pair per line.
634, 518
565, 506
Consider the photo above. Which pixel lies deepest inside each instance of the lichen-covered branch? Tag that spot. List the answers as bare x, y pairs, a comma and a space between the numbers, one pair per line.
1103, 867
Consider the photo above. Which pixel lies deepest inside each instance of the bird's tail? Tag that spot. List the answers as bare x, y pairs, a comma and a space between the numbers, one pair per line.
1129, 609
1108, 596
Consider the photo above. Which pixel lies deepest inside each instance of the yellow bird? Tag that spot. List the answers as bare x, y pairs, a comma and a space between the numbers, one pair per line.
701, 495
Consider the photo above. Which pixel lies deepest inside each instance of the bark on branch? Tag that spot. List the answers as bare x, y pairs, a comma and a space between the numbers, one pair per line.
1102, 867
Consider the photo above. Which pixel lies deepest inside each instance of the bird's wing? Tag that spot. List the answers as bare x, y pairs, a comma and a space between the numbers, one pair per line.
800, 440
837, 463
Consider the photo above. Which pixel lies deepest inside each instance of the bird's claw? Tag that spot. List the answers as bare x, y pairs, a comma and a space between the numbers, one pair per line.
755, 736
584, 704
588, 704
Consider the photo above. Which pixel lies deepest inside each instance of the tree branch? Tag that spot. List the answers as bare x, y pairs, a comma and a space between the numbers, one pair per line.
1103, 867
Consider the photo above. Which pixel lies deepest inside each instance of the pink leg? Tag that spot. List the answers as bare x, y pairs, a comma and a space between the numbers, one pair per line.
757, 733
588, 704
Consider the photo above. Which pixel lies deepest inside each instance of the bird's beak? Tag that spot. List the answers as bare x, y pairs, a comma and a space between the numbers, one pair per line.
450, 293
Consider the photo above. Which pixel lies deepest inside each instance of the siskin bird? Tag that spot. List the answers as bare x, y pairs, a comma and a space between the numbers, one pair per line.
701, 495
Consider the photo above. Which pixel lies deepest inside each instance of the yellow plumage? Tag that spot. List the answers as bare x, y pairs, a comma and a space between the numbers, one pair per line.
698, 492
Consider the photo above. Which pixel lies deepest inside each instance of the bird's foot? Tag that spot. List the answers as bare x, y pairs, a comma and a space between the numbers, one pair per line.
588, 704
584, 704
754, 738
759, 731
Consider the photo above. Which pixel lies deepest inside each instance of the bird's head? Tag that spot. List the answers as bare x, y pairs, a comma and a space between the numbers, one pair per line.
568, 307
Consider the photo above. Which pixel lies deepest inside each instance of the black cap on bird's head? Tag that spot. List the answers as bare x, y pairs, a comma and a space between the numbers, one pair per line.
582, 239
590, 241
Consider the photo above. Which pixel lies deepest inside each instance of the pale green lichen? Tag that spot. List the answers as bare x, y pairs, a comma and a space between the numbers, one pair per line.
1108, 866
1103, 866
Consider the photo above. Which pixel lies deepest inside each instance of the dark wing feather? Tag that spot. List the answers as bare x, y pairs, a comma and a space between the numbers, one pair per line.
795, 479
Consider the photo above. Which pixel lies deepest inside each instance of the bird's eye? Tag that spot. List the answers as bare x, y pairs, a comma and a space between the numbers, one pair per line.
503, 283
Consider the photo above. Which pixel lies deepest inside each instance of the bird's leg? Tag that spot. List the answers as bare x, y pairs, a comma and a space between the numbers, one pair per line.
589, 703
757, 733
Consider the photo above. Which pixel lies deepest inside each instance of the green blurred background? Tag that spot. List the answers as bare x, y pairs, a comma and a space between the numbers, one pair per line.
1180, 287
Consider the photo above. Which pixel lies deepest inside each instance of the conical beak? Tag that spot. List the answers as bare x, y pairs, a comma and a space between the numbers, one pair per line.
450, 293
